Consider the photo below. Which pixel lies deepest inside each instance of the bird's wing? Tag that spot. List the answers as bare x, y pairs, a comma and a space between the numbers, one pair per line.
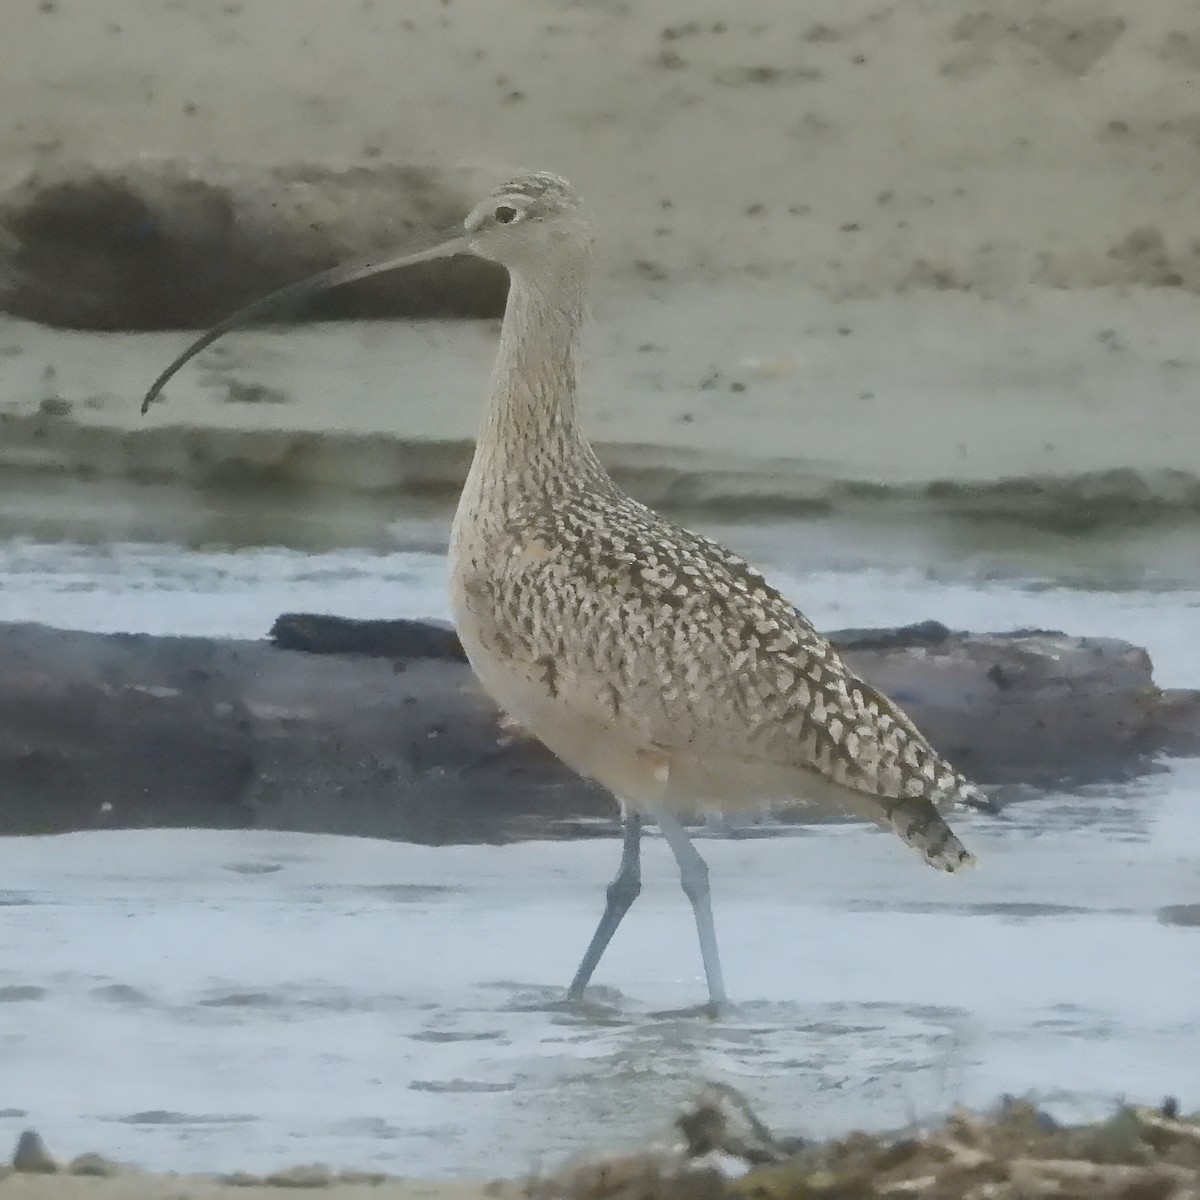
714, 657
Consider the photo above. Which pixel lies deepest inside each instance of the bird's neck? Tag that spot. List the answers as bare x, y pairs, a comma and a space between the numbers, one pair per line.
531, 414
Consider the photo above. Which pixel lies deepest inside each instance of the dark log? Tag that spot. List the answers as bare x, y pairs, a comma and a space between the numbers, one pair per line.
391, 736
318, 633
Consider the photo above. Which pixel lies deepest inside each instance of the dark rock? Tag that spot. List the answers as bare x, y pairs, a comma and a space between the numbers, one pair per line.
166, 245
390, 736
96, 1165
31, 1156
311, 1175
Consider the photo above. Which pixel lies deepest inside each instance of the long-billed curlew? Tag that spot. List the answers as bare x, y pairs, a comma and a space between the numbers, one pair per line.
645, 656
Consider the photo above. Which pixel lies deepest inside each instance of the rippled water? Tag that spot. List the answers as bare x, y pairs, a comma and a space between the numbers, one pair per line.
153, 588
218, 1000
213, 1000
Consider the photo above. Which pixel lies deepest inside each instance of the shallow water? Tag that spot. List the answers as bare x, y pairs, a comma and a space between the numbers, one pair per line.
200, 1000
164, 589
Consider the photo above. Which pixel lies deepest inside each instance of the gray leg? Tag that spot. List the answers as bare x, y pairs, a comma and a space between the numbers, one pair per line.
622, 892
693, 874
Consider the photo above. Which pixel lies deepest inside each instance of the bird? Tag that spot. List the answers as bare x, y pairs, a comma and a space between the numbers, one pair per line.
647, 657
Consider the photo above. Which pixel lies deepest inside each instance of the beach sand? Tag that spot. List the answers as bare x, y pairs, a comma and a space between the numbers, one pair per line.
151, 1186
861, 146
1067, 407
849, 251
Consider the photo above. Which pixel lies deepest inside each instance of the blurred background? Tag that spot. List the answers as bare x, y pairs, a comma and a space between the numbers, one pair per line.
899, 300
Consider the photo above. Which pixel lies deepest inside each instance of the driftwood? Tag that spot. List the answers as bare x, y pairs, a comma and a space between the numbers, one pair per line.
163, 245
390, 736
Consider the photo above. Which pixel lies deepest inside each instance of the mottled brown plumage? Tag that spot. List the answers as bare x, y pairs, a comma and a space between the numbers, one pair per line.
646, 656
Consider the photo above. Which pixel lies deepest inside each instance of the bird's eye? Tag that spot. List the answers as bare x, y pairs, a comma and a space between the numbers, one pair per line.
506, 214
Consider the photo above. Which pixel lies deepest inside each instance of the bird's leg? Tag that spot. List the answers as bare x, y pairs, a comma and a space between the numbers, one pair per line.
693, 874
622, 892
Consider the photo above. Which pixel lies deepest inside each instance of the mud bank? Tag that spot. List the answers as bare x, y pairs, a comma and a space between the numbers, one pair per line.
391, 737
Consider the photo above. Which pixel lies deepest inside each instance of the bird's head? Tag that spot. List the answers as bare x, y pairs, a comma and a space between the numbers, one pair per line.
534, 224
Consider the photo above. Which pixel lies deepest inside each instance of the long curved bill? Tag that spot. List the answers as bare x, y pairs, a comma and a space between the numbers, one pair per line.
295, 292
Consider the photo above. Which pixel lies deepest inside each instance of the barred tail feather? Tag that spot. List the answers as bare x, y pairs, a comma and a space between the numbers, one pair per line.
967, 795
920, 826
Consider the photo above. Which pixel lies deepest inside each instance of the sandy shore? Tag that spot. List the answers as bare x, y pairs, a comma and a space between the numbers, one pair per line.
1065, 408
135, 1186
861, 147
848, 252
